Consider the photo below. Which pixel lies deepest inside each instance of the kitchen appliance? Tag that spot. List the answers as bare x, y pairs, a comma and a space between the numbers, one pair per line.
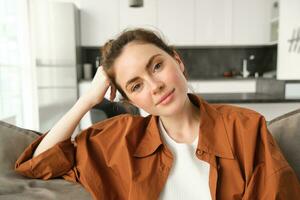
87, 71
56, 38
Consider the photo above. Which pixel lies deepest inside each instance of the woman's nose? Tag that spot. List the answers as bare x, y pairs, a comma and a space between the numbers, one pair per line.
157, 86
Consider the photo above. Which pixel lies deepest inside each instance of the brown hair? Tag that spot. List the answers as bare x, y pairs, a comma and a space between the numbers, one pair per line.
113, 48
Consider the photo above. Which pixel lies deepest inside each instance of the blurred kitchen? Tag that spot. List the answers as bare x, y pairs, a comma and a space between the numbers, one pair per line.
241, 52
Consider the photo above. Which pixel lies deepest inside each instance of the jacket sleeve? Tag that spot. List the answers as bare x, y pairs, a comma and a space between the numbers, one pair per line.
273, 178
54, 162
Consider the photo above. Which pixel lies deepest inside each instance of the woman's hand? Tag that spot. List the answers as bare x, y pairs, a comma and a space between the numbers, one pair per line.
65, 127
99, 87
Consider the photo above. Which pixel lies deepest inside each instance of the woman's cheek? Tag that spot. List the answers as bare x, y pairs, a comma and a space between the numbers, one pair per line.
142, 100
170, 76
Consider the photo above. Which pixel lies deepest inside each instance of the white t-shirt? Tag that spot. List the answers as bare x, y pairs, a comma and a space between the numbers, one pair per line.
189, 176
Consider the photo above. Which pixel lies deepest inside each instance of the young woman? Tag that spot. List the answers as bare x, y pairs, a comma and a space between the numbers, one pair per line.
186, 148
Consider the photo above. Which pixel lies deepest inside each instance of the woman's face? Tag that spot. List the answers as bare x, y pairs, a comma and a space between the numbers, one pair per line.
147, 74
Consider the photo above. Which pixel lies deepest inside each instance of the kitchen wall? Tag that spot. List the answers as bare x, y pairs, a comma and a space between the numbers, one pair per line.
213, 37
212, 62
244, 27
289, 39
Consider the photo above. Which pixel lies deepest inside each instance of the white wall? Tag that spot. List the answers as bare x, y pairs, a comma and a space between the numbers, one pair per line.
289, 24
76, 2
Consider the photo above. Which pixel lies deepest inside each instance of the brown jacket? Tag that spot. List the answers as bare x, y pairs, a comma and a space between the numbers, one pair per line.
124, 157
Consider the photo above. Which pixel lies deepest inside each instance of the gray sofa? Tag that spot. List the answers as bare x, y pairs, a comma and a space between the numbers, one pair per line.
13, 140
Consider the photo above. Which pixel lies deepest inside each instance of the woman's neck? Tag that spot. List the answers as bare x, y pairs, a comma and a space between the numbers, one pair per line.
188, 129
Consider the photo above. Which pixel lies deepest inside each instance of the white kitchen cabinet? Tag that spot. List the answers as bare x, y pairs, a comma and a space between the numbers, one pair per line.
182, 22
213, 22
176, 20
99, 21
145, 16
250, 22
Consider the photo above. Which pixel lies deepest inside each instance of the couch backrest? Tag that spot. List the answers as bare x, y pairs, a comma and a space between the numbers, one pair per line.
286, 131
13, 141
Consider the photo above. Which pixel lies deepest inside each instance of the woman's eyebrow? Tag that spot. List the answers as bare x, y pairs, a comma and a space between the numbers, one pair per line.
147, 66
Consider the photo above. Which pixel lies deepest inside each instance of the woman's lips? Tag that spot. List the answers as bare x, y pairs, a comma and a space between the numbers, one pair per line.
166, 99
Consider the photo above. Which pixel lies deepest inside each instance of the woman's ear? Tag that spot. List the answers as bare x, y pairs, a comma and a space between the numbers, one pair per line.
179, 61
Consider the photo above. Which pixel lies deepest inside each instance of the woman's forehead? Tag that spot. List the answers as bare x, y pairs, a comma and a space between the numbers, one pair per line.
133, 60
136, 51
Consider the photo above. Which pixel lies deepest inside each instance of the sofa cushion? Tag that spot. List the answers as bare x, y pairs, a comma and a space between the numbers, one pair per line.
13, 141
286, 131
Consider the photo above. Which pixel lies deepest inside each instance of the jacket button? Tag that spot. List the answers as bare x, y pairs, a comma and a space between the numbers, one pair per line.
199, 152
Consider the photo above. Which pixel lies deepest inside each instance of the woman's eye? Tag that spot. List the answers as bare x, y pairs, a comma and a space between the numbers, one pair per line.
135, 87
157, 66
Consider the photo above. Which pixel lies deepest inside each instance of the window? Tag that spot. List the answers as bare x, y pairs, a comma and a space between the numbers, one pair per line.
15, 67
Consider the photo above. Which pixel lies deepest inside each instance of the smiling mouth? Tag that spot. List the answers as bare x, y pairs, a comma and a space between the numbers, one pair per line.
165, 97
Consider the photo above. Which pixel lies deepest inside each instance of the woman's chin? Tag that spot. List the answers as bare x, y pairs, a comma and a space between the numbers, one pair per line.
172, 109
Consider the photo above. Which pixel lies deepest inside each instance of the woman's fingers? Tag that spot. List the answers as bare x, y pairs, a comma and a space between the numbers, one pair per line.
113, 89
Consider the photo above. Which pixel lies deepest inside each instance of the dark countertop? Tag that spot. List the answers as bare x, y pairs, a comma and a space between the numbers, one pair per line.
246, 98
225, 78
238, 78
268, 90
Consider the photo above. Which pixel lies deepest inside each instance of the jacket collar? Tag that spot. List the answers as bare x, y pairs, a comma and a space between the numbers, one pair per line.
213, 137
